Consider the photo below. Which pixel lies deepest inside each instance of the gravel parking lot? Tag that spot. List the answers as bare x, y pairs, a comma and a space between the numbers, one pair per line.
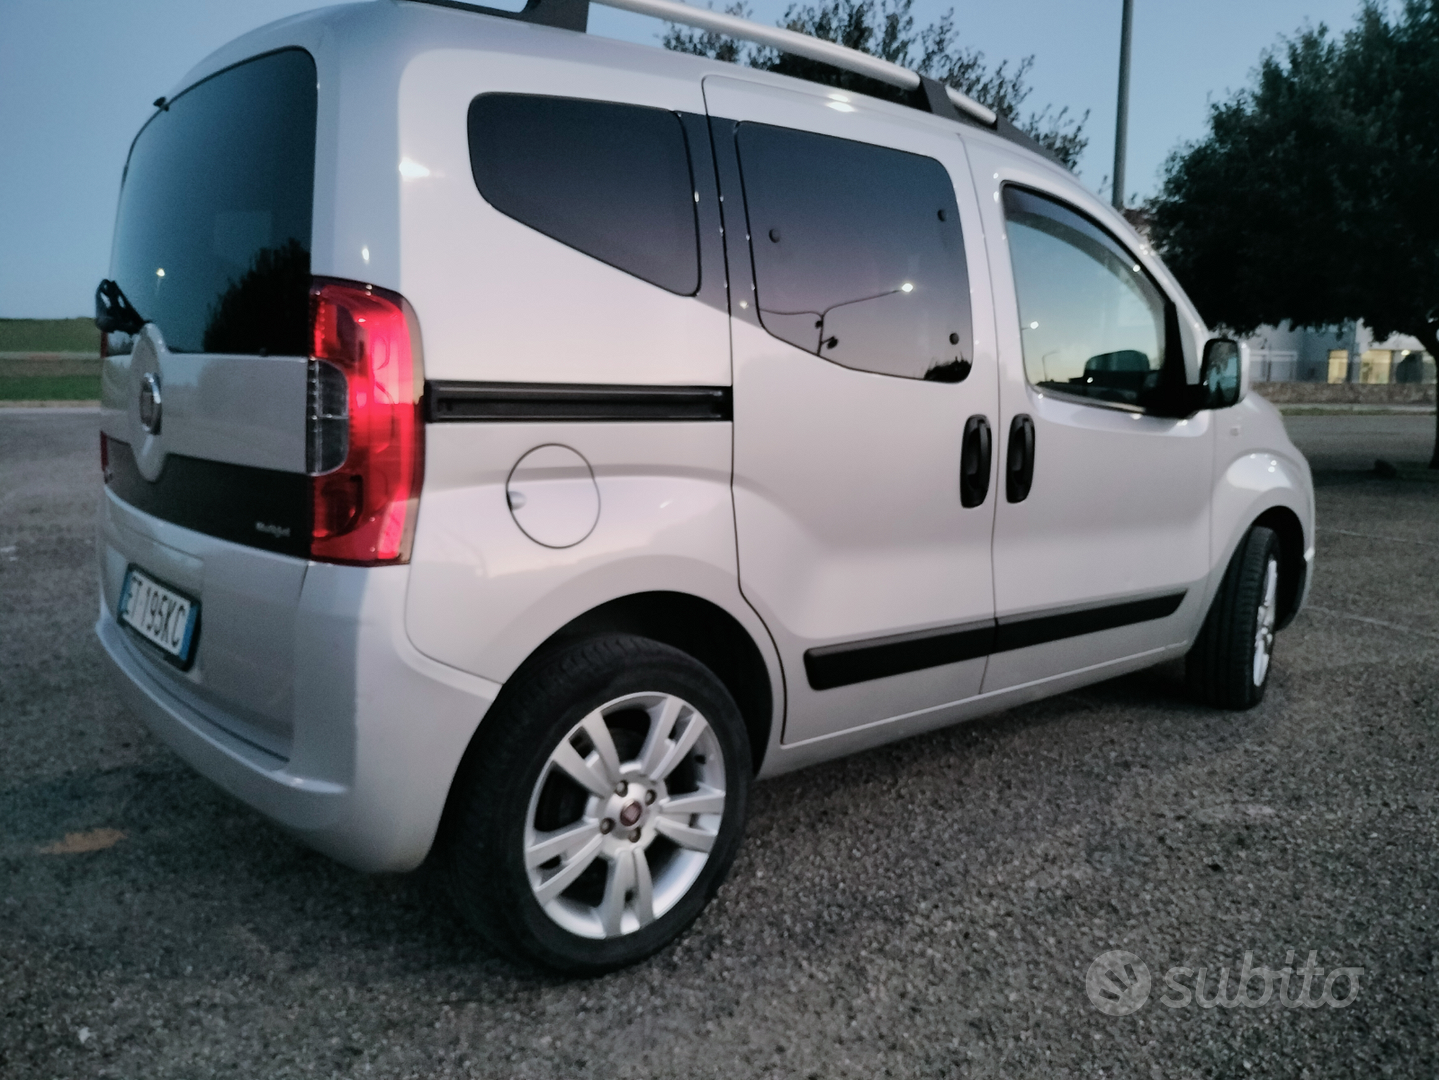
930, 909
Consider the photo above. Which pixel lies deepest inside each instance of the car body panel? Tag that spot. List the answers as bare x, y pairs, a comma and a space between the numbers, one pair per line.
483, 594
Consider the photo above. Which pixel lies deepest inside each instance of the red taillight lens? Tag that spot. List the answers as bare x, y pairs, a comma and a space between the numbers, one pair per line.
364, 510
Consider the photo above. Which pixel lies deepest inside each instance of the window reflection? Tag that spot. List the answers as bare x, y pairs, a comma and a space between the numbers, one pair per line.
1091, 321
213, 232
266, 307
858, 253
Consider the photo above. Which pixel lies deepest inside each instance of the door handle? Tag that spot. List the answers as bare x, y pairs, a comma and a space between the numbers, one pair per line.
974, 462
1019, 462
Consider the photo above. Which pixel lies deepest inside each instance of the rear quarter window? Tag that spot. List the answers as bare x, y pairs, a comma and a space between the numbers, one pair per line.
610, 180
212, 238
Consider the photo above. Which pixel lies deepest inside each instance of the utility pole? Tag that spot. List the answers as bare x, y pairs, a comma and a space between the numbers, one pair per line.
1121, 122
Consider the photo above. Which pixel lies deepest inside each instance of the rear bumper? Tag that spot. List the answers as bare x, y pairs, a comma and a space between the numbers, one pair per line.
379, 728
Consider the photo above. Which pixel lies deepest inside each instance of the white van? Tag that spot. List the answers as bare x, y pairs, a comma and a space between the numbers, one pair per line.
516, 442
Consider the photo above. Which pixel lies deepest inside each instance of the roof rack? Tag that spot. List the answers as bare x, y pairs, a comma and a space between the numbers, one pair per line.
930, 94
811, 48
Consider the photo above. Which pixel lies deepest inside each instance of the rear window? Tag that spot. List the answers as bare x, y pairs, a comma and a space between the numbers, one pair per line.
610, 180
212, 239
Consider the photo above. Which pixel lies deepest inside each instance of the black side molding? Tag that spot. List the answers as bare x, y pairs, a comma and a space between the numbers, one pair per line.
1037, 630
859, 661
852, 662
471, 402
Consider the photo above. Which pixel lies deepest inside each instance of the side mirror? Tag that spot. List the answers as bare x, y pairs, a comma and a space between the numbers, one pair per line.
1220, 373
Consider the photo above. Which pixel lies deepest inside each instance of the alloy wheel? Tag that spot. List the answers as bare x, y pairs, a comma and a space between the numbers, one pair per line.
624, 814
1264, 625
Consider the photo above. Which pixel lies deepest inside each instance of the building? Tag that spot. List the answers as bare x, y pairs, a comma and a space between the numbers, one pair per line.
1348, 354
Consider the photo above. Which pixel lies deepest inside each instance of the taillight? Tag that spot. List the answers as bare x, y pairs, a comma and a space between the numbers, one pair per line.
365, 437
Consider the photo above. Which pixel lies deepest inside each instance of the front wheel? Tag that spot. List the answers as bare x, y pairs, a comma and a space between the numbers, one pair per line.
1229, 664
602, 807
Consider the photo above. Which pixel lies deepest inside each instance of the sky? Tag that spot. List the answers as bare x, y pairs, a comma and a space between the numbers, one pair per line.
77, 78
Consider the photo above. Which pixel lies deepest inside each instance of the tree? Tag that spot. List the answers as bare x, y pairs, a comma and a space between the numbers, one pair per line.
1315, 195
885, 28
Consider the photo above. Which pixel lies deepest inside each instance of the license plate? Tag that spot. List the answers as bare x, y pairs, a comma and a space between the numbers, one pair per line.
159, 614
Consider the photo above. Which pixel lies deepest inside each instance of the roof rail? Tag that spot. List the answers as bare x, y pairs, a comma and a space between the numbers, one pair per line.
812, 48
565, 14
938, 98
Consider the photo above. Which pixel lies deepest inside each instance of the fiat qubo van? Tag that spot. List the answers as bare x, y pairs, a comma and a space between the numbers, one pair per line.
516, 443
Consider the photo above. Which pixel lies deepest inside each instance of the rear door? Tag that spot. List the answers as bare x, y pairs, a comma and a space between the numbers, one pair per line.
204, 405
858, 361
1103, 554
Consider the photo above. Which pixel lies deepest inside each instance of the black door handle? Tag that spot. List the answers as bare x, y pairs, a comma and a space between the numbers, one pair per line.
1019, 463
974, 462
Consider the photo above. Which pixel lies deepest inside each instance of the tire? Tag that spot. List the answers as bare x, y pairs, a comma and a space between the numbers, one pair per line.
1230, 662
586, 857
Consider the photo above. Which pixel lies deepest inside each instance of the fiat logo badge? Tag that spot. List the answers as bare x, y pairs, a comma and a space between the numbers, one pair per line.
150, 403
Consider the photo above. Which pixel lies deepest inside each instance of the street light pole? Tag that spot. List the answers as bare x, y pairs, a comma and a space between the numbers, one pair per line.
1121, 122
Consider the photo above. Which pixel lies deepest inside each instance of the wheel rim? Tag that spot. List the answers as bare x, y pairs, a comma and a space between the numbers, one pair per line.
624, 815
1264, 625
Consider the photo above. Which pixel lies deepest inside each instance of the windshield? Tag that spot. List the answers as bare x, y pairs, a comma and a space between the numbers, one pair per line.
212, 239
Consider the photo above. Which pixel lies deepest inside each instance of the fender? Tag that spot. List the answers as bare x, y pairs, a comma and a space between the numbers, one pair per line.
483, 596
1260, 474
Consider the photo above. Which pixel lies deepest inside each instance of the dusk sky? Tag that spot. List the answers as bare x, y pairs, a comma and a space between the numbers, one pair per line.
77, 78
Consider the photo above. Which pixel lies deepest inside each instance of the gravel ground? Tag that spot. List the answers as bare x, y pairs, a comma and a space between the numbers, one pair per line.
928, 909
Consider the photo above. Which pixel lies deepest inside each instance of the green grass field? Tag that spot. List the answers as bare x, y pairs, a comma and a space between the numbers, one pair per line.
49, 335
27, 373
50, 388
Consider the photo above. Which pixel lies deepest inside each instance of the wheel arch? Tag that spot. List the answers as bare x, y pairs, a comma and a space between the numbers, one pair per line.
703, 630
1292, 565
695, 626
1272, 488
692, 624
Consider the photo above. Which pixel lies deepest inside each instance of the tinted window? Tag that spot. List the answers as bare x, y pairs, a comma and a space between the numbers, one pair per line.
611, 180
212, 240
1091, 320
858, 253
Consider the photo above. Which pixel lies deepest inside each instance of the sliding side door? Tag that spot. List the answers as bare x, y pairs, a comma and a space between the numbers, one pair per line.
861, 374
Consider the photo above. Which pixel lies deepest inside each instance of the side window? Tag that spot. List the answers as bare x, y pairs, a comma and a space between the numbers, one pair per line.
1092, 322
610, 180
858, 254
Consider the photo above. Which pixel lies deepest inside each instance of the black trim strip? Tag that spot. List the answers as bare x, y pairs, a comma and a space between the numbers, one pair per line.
852, 662
859, 661
260, 508
461, 402
1037, 630
564, 14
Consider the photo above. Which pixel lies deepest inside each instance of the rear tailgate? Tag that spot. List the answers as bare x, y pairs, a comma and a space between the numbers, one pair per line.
205, 392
